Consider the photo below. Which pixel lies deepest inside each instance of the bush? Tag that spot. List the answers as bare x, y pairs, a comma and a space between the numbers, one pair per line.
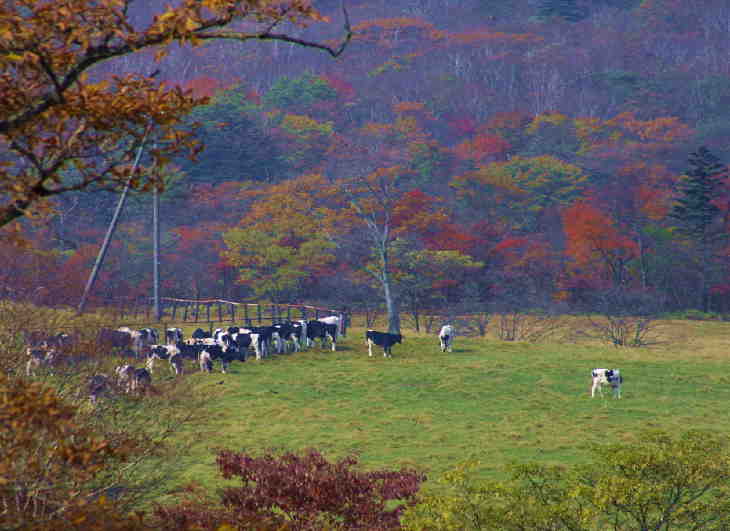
296, 492
660, 482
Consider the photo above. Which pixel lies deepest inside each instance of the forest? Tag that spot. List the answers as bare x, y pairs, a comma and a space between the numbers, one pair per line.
482, 154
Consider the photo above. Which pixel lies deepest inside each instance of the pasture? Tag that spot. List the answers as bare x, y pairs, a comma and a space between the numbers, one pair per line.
489, 400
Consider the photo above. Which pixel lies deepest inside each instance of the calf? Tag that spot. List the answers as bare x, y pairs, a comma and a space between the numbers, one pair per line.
601, 377
382, 339
446, 337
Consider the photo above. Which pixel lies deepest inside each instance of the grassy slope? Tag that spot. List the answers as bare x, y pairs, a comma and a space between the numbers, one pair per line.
490, 400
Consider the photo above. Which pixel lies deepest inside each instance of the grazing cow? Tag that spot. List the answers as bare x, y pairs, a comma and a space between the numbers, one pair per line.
114, 339
37, 357
98, 386
206, 362
333, 320
141, 380
159, 352
141, 339
200, 334
446, 337
125, 376
177, 362
601, 377
173, 336
290, 335
382, 339
322, 331
225, 355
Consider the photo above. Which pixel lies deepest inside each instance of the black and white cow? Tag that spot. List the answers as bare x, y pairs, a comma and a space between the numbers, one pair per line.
125, 376
322, 331
114, 339
288, 337
601, 377
141, 339
446, 337
39, 357
333, 320
141, 380
205, 361
98, 386
226, 355
382, 339
201, 334
173, 336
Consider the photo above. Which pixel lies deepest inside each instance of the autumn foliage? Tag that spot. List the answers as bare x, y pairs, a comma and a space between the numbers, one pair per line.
298, 492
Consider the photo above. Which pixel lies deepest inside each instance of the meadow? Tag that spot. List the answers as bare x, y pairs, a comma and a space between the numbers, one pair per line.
493, 401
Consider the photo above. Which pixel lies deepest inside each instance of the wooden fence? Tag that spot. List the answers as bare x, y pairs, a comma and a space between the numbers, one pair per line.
208, 311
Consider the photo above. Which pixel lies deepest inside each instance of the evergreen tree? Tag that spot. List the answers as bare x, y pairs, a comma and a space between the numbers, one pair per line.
567, 9
696, 214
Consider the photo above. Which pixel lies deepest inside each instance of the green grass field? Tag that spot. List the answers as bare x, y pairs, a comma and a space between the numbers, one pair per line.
490, 400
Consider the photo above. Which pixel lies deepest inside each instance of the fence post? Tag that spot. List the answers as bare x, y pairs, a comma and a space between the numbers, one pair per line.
233, 313
220, 312
207, 311
245, 315
258, 312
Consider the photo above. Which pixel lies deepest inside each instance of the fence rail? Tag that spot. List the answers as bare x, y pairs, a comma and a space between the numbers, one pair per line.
207, 311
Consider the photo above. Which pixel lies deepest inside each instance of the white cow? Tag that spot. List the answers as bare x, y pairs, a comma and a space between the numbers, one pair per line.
603, 377
446, 337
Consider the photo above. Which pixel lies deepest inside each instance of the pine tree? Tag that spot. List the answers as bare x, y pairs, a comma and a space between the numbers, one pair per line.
696, 214
567, 9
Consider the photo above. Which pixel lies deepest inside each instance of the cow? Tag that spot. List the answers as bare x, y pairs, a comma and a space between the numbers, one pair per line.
114, 339
141, 339
217, 352
173, 336
333, 320
206, 362
322, 331
290, 335
38, 357
446, 337
98, 385
382, 339
125, 376
601, 377
201, 334
141, 380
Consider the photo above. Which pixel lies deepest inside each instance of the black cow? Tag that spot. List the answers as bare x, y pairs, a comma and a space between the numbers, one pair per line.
382, 339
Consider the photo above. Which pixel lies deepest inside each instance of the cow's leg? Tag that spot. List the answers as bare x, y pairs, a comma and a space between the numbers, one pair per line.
224, 366
370, 348
593, 387
334, 345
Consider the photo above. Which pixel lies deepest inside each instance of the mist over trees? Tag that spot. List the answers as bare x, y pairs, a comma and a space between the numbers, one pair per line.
560, 150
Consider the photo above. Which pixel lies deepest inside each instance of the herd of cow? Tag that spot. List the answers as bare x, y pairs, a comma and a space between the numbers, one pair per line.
223, 345
226, 345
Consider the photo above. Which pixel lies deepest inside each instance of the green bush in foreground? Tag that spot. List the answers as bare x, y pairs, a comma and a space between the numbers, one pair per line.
660, 482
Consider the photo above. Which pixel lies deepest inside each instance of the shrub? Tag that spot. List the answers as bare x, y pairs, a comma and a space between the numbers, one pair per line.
297, 492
